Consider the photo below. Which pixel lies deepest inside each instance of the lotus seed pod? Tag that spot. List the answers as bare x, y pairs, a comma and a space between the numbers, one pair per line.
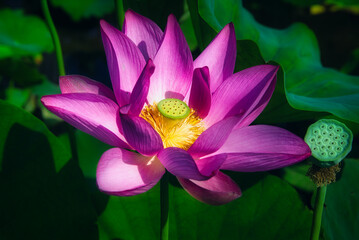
173, 108
330, 142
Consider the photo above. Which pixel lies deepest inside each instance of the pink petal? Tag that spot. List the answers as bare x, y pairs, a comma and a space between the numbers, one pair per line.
219, 56
124, 60
262, 148
174, 65
140, 135
91, 113
241, 93
218, 190
124, 173
143, 32
139, 94
247, 120
81, 84
181, 164
200, 98
213, 138
210, 166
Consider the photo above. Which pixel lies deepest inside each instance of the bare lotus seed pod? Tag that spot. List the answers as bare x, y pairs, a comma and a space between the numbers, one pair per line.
330, 142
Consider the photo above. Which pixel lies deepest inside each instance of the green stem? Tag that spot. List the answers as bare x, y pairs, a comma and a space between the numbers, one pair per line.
318, 212
164, 207
120, 13
73, 144
61, 67
55, 37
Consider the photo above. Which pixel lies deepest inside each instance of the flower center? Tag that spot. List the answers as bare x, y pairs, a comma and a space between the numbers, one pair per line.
173, 108
177, 124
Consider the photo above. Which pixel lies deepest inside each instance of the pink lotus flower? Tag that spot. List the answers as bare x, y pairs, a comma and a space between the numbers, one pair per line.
147, 66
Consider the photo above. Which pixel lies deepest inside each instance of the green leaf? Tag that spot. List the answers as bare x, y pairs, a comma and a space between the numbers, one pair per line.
306, 3
156, 10
20, 71
89, 151
85, 8
308, 85
46, 88
248, 55
136, 217
270, 209
187, 29
204, 33
22, 35
352, 63
270, 205
43, 191
17, 96
278, 109
11, 115
343, 2
296, 176
341, 212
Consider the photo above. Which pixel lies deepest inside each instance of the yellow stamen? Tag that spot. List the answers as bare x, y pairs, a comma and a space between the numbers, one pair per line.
179, 133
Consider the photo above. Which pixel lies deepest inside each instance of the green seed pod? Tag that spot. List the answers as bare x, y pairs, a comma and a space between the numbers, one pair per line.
173, 108
330, 142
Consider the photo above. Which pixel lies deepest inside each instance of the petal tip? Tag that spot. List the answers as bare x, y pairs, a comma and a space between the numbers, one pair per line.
103, 22
44, 100
105, 25
172, 20
131, 12
231, 27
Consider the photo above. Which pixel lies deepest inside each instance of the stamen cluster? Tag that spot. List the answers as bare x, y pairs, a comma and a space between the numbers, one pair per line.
181, 133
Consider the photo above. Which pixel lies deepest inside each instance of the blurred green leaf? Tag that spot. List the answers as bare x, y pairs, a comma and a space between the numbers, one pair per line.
308, 85
204, 33
46, 88
43, 192
352, 63
17, 96
306, 3
156, 10
248, 55
11, 114
22, 72
89, 151
270, 205
136, 217
270, 209
85, 8
22, 35
278, 109
341, 212
187, 29
296, 176
343, 3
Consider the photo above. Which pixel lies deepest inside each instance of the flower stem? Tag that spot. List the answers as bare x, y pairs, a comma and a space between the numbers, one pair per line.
55, 37
318, 211
61, 67
120, 13
164, 207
